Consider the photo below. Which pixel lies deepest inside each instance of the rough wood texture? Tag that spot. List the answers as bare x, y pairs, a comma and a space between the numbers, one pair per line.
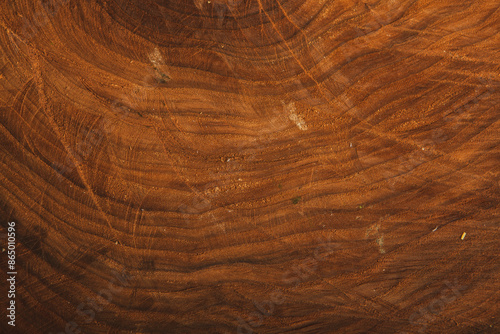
251, 166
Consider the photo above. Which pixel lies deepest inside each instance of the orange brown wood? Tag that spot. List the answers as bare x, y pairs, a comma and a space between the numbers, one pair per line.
250, 166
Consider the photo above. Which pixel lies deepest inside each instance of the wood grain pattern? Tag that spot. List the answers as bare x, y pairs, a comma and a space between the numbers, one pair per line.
251, 166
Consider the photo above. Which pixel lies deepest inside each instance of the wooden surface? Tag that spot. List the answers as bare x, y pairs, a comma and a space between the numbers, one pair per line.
251, 166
